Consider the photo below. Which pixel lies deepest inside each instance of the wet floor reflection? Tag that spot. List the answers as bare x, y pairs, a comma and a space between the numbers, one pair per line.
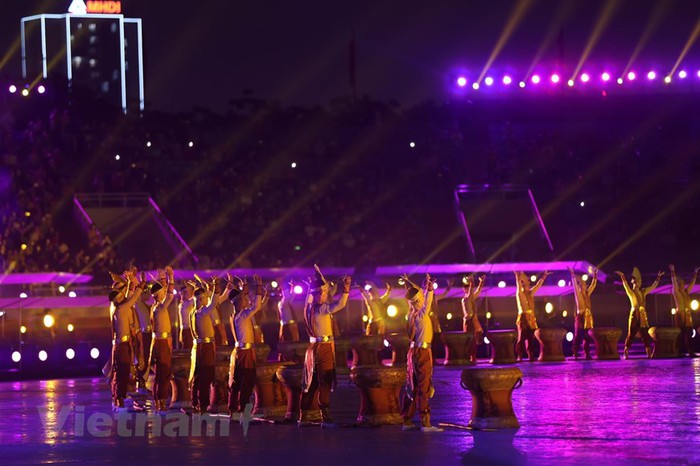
494, 448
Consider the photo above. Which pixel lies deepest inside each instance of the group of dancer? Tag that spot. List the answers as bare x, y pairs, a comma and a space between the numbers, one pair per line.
142, 332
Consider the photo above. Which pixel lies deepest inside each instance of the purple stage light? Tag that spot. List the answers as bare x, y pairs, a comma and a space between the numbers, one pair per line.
41, 89
570, 83
507, 80
475, 86
522, 84
12, 89
619, 80
651, 76
631, 76
461, 81
682, 74
585, 78
667, 80
555, 78
605, 77
25, 92
535, 79
488, 81
698, 73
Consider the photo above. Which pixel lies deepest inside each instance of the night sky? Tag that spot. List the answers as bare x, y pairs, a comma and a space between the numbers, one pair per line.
205, 52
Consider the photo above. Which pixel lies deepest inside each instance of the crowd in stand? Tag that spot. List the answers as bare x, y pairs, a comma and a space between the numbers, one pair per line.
359, 182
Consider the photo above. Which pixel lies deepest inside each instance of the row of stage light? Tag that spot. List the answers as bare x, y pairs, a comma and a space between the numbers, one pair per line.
26, 90
556, 79
43, 355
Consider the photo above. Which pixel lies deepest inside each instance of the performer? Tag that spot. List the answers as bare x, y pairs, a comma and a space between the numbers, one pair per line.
526, 320
684, 316
241, 379
638, 320
122, 299
376, 308
203, 362
319, 376
470, 318
142, 339
583, 321
289, 328
161, 347
184, 308
419, 385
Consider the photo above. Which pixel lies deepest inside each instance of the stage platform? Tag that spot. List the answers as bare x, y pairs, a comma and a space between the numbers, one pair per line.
637, 411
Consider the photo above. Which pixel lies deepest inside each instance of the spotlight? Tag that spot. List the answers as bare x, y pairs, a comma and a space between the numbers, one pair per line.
23, 295
94, 353
294, 165
71, 294
190, 144
631, 76
533, 278
651, 76
70, 353
16, 356
535, 79
582, 204
117, 157
486, 341
298, 289
694, 305
570, 83
386, 343
43, 355
448, 316
507, 80
501, 284
569, 336
411, 144
564, 313
682, 74
584, 277
667, 80
70, 327
488, 314
605, 77
561, 283
585, 78
25, 92
488, 81
619, 80
41, 89
475, 86
522, 84
49, 321
673, 311
555, 78
61, 289
365, 318
12, 90
461, 81
392, 310
274, 284
148, 143
548, 307
23, 329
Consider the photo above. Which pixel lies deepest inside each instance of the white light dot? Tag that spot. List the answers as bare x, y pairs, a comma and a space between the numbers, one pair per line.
694, 305
49, 321
148, 144
667, 79
570, 82
461, 81
585, 78
569, 336
117, 157
23, 295
411, 144
392, 310
582, 203
488, 314
294, 165
605, 77
298, 289
435, 286
365, 318
488, 81
71, 294
70, 353
43, 355
191, 144
507, 80
682, 74
274, 284
561, 283
386, 343
619, 80
555, 78
70, 327
23, 329
448, 316
535, 79
94, 353
486, 340
533, 278
521, 84
16, 356
475, 86
501, 284
548, 307
673, 311
13, 89
584, 277
564, 313
61, 289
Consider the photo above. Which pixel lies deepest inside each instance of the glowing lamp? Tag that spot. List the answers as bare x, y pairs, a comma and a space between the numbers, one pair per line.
651, 75
23, 329
23, 295
533, 278
619, 80
631, 76
667, 79
148, 143
488, 81
386, 343
41, 89
694, 305
411, 144
461, 81
435, 286
569, 336
555, 78
294, 165
605, 77
522, 84
12, 90
673, 311
585, 78
94, 353
117, 157
16, 356
43, 355
365, 318
274, 284
570, 83
507, 80
501, 284
25, 92
71, 294
584, 277
488, 315
682, 74
448, 316
465, 280
535, 79
548, 307
368, 287
49, 321
298, 289
392, 310
70, 353
190, 144
564, 314
486, 341
475, 86
70, 327
561, 283
582, 203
